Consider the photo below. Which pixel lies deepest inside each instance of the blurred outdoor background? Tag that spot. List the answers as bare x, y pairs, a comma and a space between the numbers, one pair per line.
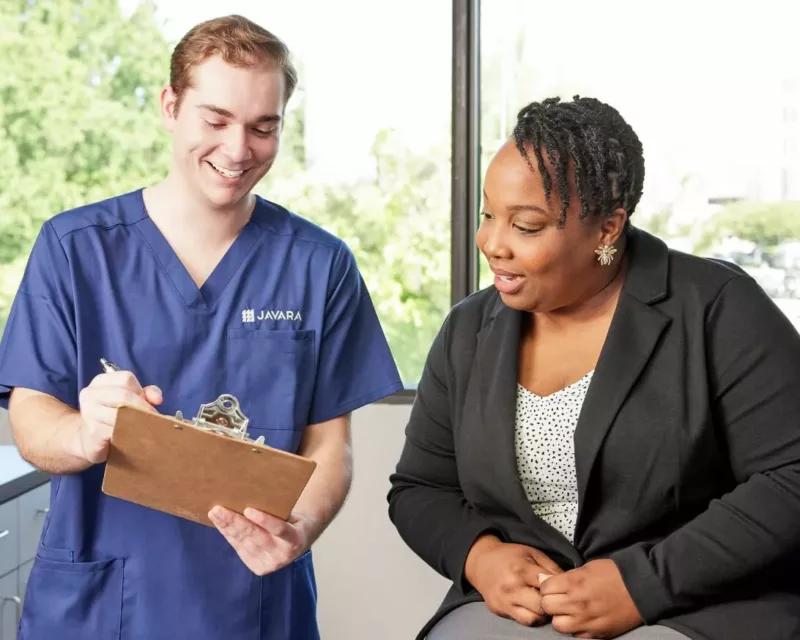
712, 88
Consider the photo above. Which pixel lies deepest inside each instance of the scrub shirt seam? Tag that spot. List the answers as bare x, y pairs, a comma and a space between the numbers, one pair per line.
333, 243
290, 230
55, 485
122, 599
260, 605
71, 393
333, 246
73, 329
95, 225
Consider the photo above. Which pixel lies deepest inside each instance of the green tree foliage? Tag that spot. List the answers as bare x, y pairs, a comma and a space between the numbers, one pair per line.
78, 115
766, 224
79, 122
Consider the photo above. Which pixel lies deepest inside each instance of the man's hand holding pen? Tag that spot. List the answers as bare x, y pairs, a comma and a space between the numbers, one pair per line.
99, 402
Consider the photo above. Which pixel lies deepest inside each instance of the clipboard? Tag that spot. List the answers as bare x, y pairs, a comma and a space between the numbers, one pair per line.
186, 467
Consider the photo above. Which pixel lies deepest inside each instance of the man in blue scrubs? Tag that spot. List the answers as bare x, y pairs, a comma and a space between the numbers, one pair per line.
194, 287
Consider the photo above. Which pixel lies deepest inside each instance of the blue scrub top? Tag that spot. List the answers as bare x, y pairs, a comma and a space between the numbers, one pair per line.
284, 322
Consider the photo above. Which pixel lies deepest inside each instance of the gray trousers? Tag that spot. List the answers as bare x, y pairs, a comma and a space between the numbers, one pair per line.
474, 621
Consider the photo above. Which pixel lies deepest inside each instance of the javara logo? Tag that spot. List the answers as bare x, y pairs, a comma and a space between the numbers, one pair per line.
250, 315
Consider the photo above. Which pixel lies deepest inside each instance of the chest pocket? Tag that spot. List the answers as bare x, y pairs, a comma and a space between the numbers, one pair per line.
272, 372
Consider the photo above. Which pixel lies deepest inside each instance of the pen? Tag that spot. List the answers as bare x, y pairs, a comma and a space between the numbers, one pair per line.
108, 367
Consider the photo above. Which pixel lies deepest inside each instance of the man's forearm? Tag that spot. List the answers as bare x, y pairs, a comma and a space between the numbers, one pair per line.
329, 485
46, 432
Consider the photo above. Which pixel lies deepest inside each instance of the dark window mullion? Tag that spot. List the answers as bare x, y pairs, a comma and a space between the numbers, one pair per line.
465, 159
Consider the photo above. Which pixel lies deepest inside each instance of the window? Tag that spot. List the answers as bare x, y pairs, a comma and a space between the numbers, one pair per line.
712, 90
707, 96
365, 152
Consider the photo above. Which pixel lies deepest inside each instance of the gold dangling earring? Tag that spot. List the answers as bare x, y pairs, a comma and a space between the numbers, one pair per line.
605, 254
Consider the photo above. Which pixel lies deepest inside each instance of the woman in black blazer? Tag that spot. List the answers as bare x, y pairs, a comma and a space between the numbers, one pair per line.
607, 442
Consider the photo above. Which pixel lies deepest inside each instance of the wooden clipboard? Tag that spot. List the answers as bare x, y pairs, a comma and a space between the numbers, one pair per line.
170, 465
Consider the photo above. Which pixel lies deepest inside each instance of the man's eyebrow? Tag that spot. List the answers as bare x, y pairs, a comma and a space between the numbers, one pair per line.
227, 114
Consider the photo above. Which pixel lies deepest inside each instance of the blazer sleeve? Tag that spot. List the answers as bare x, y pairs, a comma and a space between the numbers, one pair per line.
753, 354
426, 503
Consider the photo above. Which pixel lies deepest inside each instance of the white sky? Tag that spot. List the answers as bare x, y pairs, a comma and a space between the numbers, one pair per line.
700, 80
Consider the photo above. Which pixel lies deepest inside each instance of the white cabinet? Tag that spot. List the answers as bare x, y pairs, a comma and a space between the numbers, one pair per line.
9, 536
10, 606
21, 521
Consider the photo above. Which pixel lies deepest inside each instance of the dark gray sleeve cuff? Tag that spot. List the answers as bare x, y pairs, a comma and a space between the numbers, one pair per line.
647, 590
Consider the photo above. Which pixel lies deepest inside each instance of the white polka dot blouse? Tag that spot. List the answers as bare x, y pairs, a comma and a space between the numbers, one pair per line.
545, 427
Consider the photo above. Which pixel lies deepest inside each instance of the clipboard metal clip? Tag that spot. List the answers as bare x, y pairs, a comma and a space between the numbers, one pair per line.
223, 416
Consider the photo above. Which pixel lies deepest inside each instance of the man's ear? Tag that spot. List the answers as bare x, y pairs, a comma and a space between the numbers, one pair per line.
169, 108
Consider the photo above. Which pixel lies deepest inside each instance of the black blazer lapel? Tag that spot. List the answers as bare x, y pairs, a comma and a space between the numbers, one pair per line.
497, 363
632, 337
497, 373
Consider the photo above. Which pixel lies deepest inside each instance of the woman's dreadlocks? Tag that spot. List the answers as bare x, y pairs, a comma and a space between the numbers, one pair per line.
603, 149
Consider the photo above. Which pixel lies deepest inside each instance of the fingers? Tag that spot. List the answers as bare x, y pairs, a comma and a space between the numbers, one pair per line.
121, 379
542, 578
549, 566
529, 599
525, 616
98, 406
244, 536
533, 575
125, 380
292, 534
260, 551
275, 526
153, 395
559, 605
248, 542
559, 584
98, 416
233, 526
568, 625
115, 397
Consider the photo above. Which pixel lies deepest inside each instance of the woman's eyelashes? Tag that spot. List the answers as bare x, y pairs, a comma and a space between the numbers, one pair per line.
527, 231
523, 229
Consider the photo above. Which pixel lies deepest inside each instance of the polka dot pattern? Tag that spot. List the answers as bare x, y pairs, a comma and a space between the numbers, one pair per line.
545, 426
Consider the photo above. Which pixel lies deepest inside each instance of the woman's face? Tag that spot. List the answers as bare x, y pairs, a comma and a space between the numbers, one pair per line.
539, 266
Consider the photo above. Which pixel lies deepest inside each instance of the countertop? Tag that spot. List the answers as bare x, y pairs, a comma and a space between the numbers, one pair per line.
16, 475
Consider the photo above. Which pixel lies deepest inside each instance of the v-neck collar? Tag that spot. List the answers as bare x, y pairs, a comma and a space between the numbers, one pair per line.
198, 298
